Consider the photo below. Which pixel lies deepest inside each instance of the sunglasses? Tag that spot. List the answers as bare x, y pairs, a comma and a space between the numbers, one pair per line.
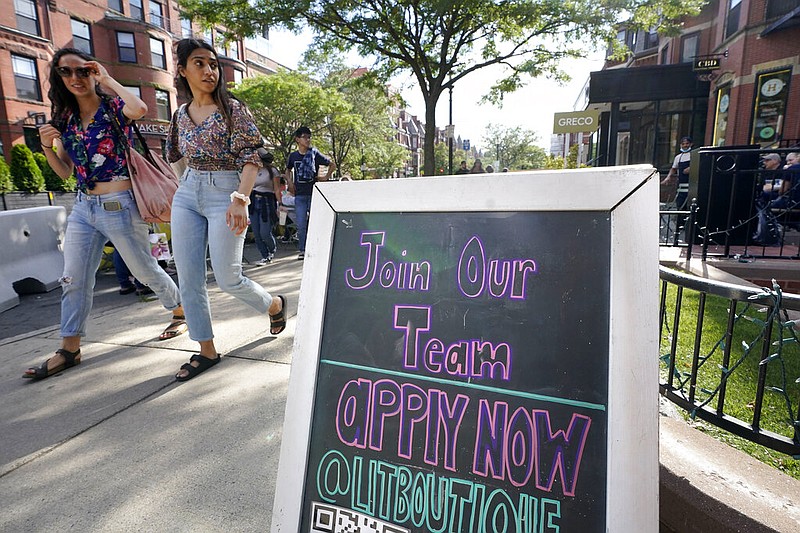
67, 72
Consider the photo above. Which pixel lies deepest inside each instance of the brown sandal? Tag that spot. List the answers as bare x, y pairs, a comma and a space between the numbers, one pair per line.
70, 359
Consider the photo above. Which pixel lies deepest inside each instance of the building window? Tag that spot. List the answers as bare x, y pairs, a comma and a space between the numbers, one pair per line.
219, 44
156, 14
136, 91
208, 36
136, 9
265, 32
238, 76
234, 49
126, 47
769, 106
157, 58
186, 28
732, 25
721, 115
115, 5
778, 8
81, 36
26, 78
690, 45
162, 105
665, 55
650, 39
27, 19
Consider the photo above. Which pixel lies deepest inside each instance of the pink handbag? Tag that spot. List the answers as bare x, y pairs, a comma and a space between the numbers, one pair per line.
154, 182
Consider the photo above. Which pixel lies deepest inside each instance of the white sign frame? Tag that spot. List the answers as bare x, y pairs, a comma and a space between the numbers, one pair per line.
629, 193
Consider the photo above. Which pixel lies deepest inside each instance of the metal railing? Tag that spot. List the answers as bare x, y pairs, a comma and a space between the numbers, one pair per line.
730, 355
732, 208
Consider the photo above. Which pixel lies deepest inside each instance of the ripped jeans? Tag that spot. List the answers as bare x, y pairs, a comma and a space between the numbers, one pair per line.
94, 220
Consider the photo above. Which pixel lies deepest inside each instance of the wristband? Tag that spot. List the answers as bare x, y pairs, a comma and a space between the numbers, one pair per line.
48, 147
235, 195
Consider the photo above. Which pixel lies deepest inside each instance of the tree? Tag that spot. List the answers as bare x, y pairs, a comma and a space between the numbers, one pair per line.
441, 43
5, 176
25, 173
52, 181
284, 101
515, 148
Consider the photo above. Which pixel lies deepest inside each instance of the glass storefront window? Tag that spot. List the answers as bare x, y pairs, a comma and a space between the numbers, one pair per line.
769, 106
721, 115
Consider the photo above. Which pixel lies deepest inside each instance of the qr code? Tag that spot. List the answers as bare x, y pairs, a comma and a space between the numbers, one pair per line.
332, 519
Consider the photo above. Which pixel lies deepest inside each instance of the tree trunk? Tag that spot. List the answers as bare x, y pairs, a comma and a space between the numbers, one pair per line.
430, 133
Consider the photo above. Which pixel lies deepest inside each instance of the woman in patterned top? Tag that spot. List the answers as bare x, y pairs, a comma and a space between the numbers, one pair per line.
216, 135
81, 138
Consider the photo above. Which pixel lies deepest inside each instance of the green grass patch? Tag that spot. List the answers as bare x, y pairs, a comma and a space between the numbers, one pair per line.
740, 372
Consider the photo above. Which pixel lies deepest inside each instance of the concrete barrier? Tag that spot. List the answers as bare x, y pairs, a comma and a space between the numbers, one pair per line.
31, 254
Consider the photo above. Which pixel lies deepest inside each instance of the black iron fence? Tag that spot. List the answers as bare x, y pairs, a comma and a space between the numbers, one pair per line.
730, 355
739, 207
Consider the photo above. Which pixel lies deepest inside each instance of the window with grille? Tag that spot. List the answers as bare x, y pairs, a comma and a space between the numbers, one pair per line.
157, 14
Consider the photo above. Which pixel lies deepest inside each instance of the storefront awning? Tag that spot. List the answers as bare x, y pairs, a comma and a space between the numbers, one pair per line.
659, 82
792, 18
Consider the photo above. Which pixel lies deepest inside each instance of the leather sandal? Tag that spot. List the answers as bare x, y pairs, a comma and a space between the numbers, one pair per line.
177, 327
203, 364
277, 322
70, 359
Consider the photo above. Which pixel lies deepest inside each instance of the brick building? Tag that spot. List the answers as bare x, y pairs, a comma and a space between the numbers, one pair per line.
133, 38
731, 78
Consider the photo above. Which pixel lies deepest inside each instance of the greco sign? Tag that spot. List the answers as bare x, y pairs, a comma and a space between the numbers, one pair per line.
576, 121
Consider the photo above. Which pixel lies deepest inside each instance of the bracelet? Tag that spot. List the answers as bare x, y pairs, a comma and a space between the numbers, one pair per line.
48, 147
235, 195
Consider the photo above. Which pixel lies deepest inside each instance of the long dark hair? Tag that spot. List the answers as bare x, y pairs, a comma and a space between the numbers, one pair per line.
221, 96
62, 102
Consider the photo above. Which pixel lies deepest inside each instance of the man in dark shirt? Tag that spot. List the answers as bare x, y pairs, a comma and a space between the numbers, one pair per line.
302, 172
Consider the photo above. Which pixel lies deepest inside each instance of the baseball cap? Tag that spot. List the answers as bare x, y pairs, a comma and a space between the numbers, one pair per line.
772, 156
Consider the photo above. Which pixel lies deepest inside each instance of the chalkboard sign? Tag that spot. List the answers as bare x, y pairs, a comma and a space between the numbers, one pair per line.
454, 371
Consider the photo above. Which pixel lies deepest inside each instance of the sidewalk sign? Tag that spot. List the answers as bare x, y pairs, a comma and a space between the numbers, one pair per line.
476, 363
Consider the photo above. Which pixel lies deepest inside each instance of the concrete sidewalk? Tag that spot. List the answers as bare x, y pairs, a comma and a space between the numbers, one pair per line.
116, 444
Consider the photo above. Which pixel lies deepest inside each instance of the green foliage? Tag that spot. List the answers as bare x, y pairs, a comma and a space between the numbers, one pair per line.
25, 173
53, 181
283, 102
5, 176
440, 43
515, 148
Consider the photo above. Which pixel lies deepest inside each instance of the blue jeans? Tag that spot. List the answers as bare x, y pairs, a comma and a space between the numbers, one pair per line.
302, 206
265, 213
89, 226
123, 272
198, 223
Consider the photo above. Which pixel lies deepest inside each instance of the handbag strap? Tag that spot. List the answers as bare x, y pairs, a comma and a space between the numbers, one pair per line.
117, 127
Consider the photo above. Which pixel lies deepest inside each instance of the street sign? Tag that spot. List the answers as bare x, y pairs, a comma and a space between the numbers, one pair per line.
465, 143
576, 121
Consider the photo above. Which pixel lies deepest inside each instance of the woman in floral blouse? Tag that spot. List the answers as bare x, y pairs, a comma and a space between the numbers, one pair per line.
81, 138
216, 135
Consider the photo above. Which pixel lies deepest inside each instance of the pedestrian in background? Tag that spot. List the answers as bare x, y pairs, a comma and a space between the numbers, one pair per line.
680, 171
217, 136
477, 167
81, 138
462, 169
264, 207
302, 172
